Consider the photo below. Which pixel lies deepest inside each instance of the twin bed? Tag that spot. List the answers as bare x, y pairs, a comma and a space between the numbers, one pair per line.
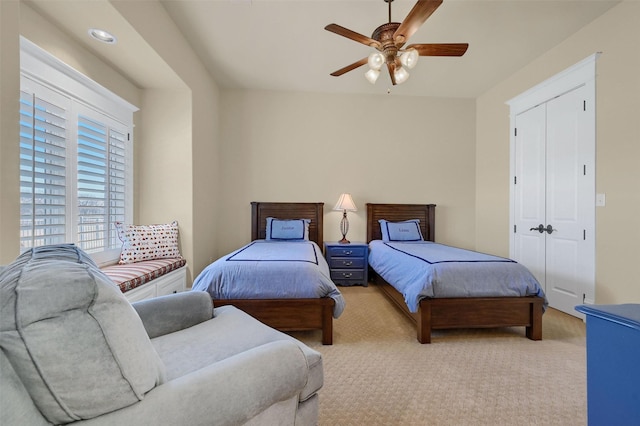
523, 306
311, 303
279, 302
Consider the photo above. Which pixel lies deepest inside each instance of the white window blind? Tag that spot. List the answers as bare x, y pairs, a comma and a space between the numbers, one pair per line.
76, 168
43, 170
101, 183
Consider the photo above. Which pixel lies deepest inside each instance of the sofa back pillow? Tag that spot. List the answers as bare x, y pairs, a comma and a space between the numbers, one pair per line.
76, 343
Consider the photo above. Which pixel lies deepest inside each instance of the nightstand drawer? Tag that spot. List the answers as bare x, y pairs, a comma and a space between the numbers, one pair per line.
347, 251
346, 263
338, 275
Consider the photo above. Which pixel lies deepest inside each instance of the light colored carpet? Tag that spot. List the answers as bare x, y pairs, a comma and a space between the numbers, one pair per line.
376, 372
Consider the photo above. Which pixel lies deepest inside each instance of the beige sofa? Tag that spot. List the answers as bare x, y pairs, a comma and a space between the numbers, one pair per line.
74, 350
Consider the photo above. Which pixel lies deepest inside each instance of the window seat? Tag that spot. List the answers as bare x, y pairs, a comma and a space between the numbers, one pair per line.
149, 278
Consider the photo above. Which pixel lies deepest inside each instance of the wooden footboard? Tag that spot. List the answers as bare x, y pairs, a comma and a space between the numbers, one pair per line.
289, 314
473, 312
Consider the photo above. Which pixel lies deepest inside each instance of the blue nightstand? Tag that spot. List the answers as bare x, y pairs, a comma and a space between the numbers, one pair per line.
348, 263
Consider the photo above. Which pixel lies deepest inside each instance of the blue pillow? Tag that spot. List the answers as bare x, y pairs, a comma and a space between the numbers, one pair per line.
287, 229
408, 230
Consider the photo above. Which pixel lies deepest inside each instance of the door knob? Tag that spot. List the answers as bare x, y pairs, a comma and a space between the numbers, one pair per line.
549, 229
540, 229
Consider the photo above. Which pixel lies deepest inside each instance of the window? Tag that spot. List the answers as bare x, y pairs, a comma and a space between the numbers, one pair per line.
75, 157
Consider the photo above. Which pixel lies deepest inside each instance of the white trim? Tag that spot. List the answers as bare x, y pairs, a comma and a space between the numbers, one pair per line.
561, 83
36, 62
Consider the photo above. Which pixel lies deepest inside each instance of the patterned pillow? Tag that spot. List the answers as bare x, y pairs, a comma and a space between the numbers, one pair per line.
148, 242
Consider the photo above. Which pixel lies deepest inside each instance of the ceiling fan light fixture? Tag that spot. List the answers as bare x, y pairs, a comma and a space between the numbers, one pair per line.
401, 75
409, 58
376, 61
372, 75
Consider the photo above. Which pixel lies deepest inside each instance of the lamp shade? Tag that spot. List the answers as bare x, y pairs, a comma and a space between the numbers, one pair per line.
401, 75
345, 203
375, 61
409, 58
372, 76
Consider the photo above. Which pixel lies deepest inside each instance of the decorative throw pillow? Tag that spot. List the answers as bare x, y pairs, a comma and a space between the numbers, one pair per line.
408, 230
77, 344
148, 242
287, 229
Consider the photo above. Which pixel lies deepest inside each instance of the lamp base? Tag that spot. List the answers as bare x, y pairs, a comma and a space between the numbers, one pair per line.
344, 241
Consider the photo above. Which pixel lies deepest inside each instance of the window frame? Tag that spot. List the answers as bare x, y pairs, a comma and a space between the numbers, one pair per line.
39, 68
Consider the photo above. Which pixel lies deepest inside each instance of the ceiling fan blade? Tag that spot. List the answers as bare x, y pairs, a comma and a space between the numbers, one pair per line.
416, 17
391, 66
345, 32
440, 49
348, 68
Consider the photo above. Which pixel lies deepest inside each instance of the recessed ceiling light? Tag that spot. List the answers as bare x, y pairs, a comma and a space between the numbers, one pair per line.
102, 35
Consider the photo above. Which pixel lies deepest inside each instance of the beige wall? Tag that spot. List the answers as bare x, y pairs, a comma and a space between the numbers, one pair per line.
9, 131
187, 190
281, 146
616, 34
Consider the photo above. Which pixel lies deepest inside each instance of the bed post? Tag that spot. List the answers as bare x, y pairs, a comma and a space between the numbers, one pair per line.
327, 323
534, 331
423, 321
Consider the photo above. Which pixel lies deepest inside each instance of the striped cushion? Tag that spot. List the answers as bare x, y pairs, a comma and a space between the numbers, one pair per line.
132, 275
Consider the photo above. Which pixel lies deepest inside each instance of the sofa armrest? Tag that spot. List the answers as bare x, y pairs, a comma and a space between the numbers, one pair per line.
228, 392
173, 312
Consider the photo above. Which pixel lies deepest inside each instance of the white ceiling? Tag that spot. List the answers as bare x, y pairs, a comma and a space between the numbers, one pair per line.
282, 44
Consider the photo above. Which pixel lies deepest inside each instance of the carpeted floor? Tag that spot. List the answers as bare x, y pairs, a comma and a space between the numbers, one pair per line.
376, 372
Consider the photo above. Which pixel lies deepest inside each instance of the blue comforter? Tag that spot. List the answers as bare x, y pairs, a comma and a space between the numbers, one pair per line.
271, 270
426, 269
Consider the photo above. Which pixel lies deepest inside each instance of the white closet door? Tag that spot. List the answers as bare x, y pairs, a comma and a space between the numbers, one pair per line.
552, 198
566, 210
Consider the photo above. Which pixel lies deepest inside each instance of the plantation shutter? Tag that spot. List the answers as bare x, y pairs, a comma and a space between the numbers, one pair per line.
101, 182
43, 170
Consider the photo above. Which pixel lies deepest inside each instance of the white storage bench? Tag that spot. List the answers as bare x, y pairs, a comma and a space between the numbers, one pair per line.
149, 278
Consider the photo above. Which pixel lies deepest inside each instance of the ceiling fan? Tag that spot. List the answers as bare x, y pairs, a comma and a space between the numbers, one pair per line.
388, 39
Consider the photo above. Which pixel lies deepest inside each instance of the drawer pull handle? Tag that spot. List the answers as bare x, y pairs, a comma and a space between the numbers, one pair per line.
349, 263
348, 252
346, 274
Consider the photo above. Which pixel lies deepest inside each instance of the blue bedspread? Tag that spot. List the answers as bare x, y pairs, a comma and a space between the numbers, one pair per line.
426, 269
271, 270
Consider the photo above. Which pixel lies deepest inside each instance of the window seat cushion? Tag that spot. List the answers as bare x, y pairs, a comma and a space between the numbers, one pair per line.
132, 275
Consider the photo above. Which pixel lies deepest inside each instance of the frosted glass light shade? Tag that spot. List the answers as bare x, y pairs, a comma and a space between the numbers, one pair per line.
409, 58
376, 61
401, 75
372, 76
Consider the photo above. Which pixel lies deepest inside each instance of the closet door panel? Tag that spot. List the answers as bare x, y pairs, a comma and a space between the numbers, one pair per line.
529, 190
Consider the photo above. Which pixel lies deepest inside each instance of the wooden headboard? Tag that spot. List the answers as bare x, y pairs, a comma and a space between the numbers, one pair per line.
260, 211
398, 212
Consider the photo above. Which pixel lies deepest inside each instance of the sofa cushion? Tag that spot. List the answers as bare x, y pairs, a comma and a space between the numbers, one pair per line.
230, 332
132, 275
74, 340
